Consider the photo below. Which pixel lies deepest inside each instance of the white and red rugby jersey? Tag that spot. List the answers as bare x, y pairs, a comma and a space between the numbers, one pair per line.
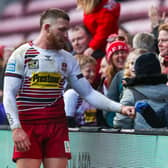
43, 74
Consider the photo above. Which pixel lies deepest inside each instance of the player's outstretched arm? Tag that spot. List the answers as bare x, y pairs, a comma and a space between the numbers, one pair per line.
98, 100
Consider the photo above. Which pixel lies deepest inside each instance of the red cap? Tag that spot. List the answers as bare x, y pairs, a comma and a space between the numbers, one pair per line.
115, 46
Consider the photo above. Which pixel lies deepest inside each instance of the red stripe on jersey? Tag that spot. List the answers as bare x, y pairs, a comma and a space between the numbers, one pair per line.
54, 113
13, 75
32, 51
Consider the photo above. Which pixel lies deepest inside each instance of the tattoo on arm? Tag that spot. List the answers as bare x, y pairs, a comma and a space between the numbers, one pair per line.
10, 119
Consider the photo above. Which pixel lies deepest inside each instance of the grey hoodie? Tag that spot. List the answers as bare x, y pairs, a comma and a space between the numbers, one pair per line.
158, 93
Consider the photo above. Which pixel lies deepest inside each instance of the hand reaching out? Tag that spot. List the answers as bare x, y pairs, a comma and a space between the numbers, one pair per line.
155, 17
129, 111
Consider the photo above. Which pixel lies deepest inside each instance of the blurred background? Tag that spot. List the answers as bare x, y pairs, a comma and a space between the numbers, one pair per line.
19, 19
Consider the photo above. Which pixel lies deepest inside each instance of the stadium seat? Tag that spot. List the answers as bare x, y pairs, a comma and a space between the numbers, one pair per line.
32, 36
38, 6
132, 10
14, 9
15, 21
140, 25
22, 24
76, 16
12, 40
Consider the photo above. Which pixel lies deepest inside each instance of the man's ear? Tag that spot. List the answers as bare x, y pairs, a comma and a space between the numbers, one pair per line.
47, 27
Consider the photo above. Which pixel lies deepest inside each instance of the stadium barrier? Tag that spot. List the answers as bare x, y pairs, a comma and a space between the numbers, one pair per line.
105, 148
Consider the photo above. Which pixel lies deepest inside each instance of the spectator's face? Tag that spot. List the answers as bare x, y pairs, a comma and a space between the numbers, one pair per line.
163, 44
118, 59
131, 65
57, 35
79, 40
103, 68
89, 72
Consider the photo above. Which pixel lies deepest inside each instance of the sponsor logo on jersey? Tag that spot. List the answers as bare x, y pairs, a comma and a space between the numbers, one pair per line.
11, 66
33, 64
46, 80
48, 58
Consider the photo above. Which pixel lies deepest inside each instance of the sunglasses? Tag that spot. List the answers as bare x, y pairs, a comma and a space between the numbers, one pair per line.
115, 38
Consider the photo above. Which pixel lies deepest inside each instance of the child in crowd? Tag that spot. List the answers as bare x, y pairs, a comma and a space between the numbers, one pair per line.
78, 111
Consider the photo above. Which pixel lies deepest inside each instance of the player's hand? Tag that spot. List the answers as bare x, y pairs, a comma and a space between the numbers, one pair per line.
129, 111
21, 140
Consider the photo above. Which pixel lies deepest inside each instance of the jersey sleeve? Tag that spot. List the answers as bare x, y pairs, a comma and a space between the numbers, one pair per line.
93, 97
12, 82
15, 64
11, 87
81, 85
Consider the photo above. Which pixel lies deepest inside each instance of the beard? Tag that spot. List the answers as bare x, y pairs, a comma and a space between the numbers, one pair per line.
56, 42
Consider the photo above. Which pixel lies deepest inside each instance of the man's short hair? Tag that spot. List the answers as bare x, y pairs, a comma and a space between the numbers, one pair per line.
163, 26
53, 13
144, 40
79, 27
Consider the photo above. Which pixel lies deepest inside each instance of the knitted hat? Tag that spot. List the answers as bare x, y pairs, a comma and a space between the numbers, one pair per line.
147, 64
115, 46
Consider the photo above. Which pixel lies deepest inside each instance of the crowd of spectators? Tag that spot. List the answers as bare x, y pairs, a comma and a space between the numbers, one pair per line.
107, 48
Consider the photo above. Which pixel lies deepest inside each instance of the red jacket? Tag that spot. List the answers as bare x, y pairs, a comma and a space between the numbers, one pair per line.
102, 22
